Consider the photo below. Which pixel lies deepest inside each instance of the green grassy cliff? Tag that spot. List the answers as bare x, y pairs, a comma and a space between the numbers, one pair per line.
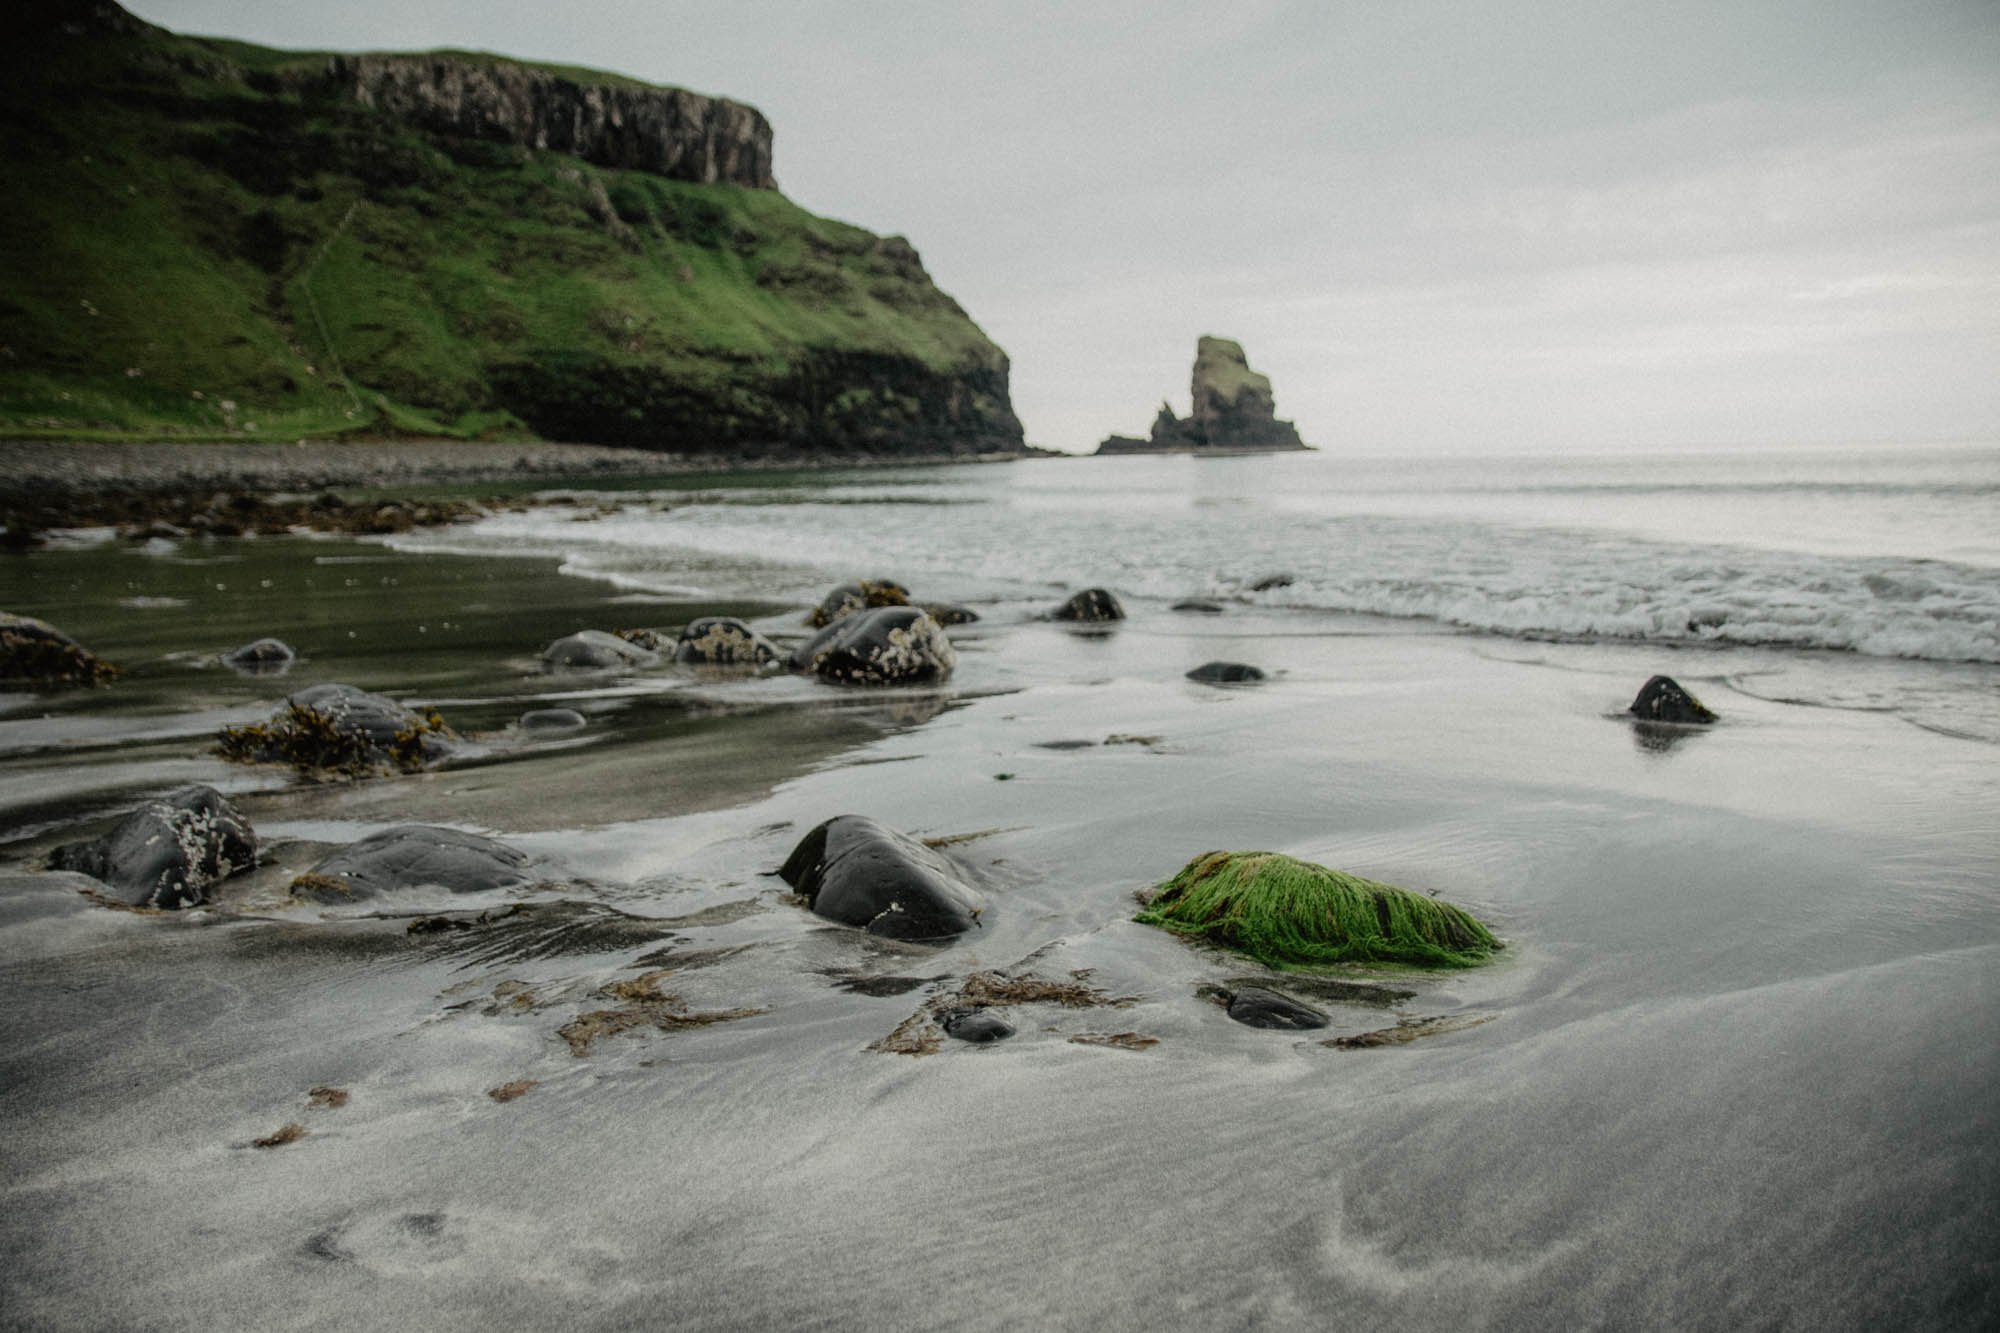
206, 239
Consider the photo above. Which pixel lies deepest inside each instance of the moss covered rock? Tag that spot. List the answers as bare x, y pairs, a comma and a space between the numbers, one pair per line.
1288, 913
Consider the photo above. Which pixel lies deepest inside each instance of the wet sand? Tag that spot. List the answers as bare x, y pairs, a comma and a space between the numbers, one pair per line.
1737, 1062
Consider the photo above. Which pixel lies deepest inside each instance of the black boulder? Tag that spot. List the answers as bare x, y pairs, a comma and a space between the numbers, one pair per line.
856, 871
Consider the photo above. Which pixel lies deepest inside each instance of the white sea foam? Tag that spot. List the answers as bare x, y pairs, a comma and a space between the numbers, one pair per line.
1844, 552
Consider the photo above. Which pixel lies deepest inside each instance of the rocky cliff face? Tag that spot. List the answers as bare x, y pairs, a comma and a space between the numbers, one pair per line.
1232, 409
667, 131
215, 240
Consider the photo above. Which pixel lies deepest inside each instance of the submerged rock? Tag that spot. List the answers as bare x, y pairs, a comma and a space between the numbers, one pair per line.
551, 720
1092, 604
265, 657
38, 653
1199, 606
723, 641
341, 729
1253, 1006
167, 852
412, 856
1225, 673
1285, 912
859, 595
856, 871
595, 650
890, 645
975, 1024
1662, 699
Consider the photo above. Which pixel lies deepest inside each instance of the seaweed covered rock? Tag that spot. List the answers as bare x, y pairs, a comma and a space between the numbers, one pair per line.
856, 871
595, 650
341, 729
265, 657
723, 641
1662, 699
413, 856
167, 852
1090, 606
1226, 673
859, 595
1257, 1007
889, 645
1288, 913
37, 653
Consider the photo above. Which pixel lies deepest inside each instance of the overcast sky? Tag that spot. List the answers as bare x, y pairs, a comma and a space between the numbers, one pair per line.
1453, 227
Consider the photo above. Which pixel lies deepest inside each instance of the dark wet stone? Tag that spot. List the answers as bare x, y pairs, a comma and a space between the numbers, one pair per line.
859, 595
1225, 673
890, 645
168, 851
1256, 1007
595, 650
1199, 605
1661, 699
551, 719
37, 652
879, 985
341, 729
1270, 581
265, 657
951, 613
856, 871
1092, 604
414, 855
723, 641
975, 1024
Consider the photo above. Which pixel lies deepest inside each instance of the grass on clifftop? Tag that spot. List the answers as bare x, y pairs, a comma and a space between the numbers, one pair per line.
197, 250
1292, 914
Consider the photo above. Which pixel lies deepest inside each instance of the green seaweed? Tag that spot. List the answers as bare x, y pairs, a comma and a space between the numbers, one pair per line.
1292, 914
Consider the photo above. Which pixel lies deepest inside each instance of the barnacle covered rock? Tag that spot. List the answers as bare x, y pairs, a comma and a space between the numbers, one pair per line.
859, 595
341, 729
890, 645
723, 641
166, 853
1288, 913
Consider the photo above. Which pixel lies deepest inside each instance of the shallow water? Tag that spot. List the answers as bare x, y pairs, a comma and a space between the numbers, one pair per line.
1737, 1064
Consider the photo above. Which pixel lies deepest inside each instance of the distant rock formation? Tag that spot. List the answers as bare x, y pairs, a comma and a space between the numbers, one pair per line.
1232, 409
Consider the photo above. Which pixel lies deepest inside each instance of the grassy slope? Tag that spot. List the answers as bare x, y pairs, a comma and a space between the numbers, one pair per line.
319, 271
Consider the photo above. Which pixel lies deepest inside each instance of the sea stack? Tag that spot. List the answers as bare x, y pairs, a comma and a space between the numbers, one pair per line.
1232, 410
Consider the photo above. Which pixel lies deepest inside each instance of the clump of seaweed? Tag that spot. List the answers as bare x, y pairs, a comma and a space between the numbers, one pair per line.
279, 1137
1292, 914
922, 1033
645, 1005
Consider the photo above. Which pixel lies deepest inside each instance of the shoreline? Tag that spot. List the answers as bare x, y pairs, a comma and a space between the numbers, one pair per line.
45, 469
